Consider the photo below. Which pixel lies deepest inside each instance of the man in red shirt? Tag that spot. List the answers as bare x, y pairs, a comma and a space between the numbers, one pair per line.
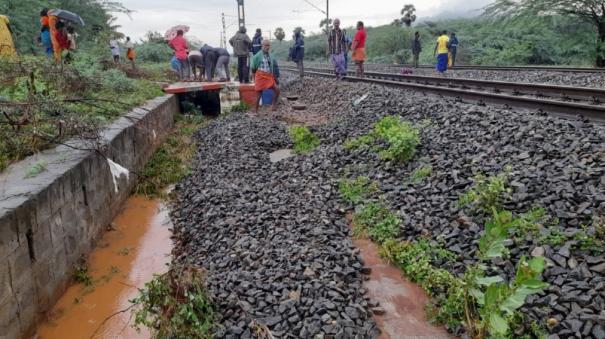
359, 48
61, 36
181, 52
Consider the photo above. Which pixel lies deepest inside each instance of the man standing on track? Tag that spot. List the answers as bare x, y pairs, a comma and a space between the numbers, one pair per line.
266, 72
337, 47
442, 52
453, 48
241, 48
359, 48
416, 49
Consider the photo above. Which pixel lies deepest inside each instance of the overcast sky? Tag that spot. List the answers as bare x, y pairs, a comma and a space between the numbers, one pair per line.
204, 16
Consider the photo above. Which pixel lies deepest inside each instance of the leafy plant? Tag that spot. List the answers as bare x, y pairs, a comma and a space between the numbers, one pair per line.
553, 237
35, 169
590, 240
361, 142
82, 276
304, 140
175, 305
492, 303
377, 222
241, 107
421, 173
171, 161
353, 191
487, 193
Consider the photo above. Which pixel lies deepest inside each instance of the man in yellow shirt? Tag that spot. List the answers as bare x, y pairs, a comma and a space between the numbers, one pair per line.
442, 52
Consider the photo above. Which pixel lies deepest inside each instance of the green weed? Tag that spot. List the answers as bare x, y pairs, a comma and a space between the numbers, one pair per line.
362, 142
553, 237
304, 140
377, 222
401, 138
82, 276
171, 161
420, 174
487, 193
353, 191
175, 305
241, 107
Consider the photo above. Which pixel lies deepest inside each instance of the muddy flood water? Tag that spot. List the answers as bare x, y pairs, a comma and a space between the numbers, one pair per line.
403, 301
125, 259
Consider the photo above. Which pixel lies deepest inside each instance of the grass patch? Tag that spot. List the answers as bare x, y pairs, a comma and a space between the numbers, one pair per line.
401, 137
171, 162
303, 139
175, 305
487, 193
354, 191
421, 173
241, 107
376, 221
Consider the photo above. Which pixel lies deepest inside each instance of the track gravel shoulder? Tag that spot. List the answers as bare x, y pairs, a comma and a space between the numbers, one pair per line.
273, 236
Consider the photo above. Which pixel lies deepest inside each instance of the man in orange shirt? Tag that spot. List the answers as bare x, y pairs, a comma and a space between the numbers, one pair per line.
359, 48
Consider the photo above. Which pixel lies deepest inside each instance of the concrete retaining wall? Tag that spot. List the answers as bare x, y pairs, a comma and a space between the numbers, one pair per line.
50, 220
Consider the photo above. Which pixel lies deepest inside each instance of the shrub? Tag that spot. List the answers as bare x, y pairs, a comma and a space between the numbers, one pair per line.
421, 173
377, 222
353, 191
175, 305
304, 140
487, 193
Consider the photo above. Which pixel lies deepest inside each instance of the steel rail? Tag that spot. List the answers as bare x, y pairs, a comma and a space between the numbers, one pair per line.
499, 68
568, 93
559, 108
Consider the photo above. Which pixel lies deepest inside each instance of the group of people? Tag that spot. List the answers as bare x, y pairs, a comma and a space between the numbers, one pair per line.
114, 46
207, 60
57, 36
339, 46
445, 52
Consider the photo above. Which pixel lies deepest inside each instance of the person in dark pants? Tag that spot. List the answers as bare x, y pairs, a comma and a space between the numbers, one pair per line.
453, 47
257, 41
210, 57
298, 52
241, 48
223, 61
416, 49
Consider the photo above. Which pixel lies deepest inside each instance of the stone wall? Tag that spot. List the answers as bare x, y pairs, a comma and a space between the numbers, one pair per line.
50, 220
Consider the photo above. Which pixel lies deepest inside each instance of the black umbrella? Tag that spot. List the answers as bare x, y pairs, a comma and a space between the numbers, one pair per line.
67, 16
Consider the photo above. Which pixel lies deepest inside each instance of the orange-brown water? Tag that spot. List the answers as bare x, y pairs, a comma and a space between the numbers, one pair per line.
124, 260
403, 301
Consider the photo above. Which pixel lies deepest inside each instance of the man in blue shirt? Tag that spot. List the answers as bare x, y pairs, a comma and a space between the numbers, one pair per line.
453, 47
257, 41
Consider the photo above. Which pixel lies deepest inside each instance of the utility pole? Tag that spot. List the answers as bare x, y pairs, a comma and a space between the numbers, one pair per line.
328, 17
224, 33
241, 16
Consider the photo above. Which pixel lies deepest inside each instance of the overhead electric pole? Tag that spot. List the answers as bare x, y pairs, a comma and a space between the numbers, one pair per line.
241, 16
328, 17
224, 33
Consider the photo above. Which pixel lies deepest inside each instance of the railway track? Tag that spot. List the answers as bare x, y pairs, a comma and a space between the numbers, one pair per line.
493, 68
563, 101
